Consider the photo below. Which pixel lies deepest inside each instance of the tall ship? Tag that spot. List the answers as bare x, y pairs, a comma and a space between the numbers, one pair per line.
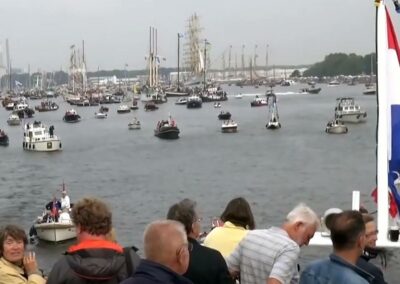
39, 138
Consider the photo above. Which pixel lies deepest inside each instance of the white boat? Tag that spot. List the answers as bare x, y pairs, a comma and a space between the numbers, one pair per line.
238, 96
336, 127
55, 231
100, 115
21, 106
371, 90
229, 126
334, 83
134, 124
39, 138
347, 111
181, 101
123, 109
14, 119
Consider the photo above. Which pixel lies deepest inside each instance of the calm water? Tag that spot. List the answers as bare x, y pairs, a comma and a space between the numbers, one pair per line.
140, 176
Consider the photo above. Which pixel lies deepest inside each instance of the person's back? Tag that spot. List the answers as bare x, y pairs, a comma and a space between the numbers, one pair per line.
330, 271
94, 259
265, 253
91, 261
225, 238
207, 266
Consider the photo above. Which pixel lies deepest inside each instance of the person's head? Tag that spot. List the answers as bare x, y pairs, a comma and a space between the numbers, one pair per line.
185, 212
239, 213
301, 224
371, 233
92, 216
348, 232
13, 241
165, 242
64, 193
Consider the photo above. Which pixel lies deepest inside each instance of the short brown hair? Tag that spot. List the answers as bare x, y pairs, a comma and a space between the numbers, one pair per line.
14, 232
184, 212
367, 218
346, 228
92, 215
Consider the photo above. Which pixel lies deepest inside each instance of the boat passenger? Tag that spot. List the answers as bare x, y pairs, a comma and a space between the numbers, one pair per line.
277, 249
65, 201
348, 240
15, 268
206, 265
93, 257
167, 255
238, 219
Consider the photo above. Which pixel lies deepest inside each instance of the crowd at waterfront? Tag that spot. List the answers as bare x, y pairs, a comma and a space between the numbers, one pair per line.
234, 251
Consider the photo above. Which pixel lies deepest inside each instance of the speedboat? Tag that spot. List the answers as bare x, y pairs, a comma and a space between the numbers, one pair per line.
238, 96
14, 119
167, 129
181, 101
134, 124
370, 90
71, 116
273, 122
39, 138
229, 126
224, 115
123, 109
3, 138
311, 90
336, 127
100, 115
347, 111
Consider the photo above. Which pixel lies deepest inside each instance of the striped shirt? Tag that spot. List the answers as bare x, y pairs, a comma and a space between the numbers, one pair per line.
264, 254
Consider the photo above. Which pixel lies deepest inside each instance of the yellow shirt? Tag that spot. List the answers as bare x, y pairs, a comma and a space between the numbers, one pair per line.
12, 274
225, 239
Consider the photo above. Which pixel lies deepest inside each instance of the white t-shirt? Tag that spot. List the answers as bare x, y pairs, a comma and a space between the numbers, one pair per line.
65, 203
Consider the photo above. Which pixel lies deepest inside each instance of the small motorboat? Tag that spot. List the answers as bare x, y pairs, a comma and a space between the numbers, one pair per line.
370, 90
3, 138
336, 127
100, 115
181, 101
238, 96
14, 119
47, 106
194, 102
123, 109
229, 126
71, 116
217, 105
103, 109
150, 106
273, 124
311, 90
167, 129
258, 102
224, 115
134, 124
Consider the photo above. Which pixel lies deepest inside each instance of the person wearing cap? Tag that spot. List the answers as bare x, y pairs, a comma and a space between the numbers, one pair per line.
65, 202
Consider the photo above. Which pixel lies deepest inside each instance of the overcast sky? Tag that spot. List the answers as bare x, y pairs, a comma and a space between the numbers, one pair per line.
40, 32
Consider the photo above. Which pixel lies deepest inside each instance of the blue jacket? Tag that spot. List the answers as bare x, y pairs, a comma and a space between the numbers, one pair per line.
334, 270
149, 272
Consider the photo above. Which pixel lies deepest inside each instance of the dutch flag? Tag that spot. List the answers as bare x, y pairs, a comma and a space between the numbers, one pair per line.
388, 165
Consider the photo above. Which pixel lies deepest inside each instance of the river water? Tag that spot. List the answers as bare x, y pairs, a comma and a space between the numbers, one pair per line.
140, 176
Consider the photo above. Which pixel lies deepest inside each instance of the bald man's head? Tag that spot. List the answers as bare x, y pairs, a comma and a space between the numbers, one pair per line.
165, 242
